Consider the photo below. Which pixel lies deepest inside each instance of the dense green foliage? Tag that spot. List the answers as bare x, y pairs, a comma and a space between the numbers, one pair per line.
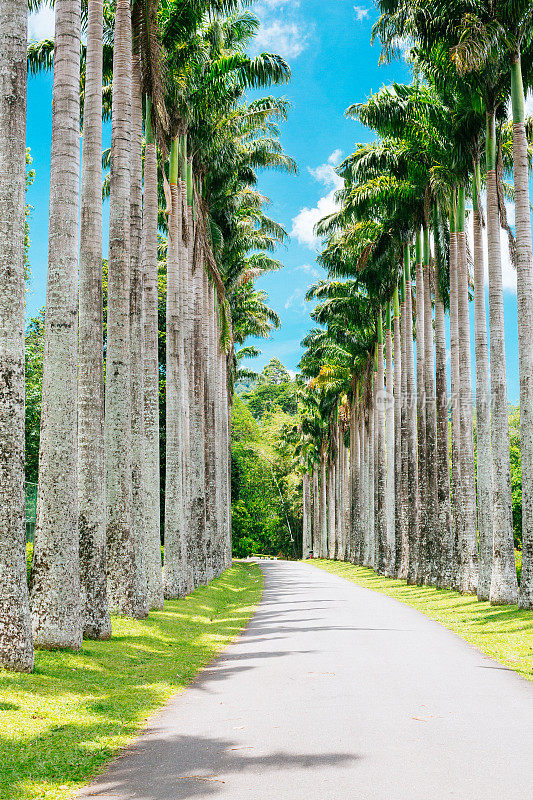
265, 483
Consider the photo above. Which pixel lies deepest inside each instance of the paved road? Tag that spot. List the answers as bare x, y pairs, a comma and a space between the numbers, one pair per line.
336, 693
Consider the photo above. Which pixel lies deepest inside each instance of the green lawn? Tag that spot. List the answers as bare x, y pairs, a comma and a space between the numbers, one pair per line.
59, 726
502, 632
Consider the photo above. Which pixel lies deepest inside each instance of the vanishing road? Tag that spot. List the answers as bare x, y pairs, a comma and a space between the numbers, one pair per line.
334, 692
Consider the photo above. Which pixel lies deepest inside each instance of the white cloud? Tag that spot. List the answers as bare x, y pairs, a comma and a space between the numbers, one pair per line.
309, 270
304, 222
292, 373
289, 39
360, 12
335, 158
41, 24
297, 302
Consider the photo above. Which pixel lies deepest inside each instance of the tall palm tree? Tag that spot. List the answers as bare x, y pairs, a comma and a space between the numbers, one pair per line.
122, 574
55, 581
91, 475
16, 649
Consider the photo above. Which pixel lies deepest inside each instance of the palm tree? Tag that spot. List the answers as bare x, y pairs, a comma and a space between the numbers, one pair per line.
391, 446
16, 649
123, 591
91, 475
432, 532
55, 580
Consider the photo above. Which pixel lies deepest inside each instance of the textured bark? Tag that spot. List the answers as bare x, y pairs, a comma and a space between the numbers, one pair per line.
16, 649
91, 465
138, 473
468, 556
381, 515
354, 485
412, 462
390, 561
176, 581
443, 448
213, 568
332, 521
457, 517
55, 593
316, 513
307, 513
151, 379
524, 290
432, 544
403, 565
197, 453
484, 452
121, 572
398, 484
323, 553
369, 551
421, 418
504, 587
363, 438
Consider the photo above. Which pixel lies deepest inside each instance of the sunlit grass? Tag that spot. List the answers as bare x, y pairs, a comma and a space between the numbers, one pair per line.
503, 632
60, 725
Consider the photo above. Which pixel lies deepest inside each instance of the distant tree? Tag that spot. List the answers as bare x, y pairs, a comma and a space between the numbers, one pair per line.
275, 373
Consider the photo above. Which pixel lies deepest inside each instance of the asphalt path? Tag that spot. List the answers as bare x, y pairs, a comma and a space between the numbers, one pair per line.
334, 692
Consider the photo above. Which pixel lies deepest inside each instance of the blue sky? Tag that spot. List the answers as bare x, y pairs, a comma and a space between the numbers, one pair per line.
333, 65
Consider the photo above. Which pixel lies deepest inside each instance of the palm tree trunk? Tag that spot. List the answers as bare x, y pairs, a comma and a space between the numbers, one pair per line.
411, 406
331, 508
484, 452
16, 649
390, 563
504, 586
323, 504
91, 457
381, 518
316, 514
209, 417
354, 482
432, 543
397, 392
403, 566
151, 370
138, 477
363, 530
175, 571
524, 290
457, 517
55, 592
421, 415
468, 552
369, 551
443, 449
121, 549
307, 528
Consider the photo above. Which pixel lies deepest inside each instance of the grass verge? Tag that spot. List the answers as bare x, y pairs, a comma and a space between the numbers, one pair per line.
60, 725
503, 632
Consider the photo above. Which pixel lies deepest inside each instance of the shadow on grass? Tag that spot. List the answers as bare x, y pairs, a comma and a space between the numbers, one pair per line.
61, 724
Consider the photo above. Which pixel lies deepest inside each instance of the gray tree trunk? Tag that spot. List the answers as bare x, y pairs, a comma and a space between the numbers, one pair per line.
16, 649
138, 472
323, 505
176, 579
55, 592
403, 566
432, 543
457, 518
91, 462
468, 545
421, 422
524, 289
354, 485
484, 452
504, 585
122, 588
412, 464
316, 513
398, 483
307, 544
151, 379
443, 448
381, 515
390, 562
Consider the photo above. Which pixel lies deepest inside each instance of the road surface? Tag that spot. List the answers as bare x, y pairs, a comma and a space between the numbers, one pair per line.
334, 692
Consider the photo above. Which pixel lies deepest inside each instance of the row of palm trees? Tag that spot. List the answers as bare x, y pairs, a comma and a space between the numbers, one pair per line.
387, 492
184, 217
